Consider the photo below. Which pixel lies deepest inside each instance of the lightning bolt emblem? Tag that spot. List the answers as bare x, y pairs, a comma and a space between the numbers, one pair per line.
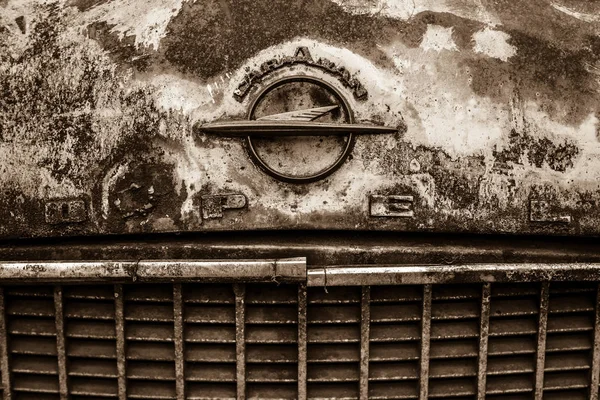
309, 114
293, 123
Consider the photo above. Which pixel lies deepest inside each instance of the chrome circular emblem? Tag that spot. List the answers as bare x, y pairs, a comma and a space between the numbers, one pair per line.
299, 129
304, 148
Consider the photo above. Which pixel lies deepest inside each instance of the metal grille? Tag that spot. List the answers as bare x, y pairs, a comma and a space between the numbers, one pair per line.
201, 341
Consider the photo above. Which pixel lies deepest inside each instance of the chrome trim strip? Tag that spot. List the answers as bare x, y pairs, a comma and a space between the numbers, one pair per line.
281, 128
290, 270
438, 274
268, 270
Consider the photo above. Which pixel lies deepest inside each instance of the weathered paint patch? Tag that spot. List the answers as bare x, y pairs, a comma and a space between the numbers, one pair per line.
538, 152
145, 20
67, 109
107, 115
442, 110
177, 93
493, 44
143, 197
406, 9
438, 38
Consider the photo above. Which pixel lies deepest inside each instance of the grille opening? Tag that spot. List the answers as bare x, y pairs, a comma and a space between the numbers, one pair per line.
148, 319
455, 313
333, 328
395, 334
271, 365
209, 334
571, 320
89, 313
512, 353
271, 352
31, 330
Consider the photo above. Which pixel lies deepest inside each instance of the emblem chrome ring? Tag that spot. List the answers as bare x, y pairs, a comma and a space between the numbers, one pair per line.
309, 178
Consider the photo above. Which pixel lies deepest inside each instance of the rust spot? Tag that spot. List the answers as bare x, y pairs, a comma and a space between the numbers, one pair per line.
539, 152
144, 197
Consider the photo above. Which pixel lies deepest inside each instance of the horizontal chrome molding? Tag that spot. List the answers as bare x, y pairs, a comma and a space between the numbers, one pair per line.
290, 128
290, 270
437, 274
267, 270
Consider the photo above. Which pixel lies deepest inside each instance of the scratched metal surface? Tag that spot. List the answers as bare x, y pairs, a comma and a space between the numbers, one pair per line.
499, 100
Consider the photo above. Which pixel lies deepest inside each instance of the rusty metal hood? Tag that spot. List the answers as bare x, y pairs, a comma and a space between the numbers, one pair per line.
490, 112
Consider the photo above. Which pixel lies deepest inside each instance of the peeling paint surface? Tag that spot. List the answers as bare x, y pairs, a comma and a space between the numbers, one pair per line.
145, 21
101, 100
494, 44
438, 38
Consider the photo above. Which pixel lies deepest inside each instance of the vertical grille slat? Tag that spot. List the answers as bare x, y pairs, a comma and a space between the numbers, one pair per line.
60, 342
202, 341
240, 339
302, 342
120, 342
365, 314
179, 343
4, 367
425, 343
595, 373
541, 341
484, 331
